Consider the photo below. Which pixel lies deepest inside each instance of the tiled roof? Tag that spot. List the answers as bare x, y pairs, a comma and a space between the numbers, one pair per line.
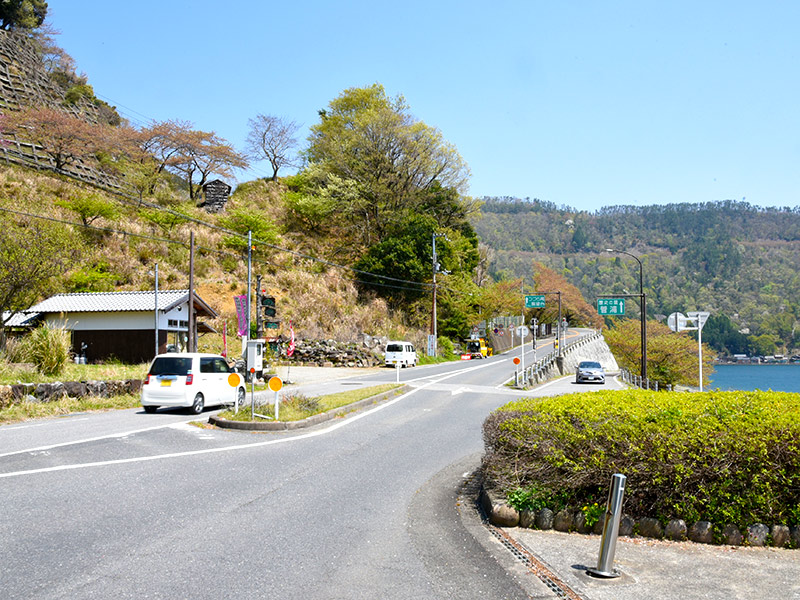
109, 301
20, 319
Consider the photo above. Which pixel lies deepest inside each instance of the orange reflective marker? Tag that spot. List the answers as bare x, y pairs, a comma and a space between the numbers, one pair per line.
234, 379
516, 360
275, 384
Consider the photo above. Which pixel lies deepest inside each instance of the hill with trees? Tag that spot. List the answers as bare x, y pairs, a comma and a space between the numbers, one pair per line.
733, 259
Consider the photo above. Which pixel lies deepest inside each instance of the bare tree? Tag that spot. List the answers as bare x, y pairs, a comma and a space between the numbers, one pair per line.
273, 139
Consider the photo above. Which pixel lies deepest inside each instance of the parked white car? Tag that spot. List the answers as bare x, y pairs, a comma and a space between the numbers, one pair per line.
191, 380
400, 353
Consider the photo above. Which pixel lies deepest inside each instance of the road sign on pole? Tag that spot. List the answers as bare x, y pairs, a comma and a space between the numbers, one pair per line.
611, 306
536, 301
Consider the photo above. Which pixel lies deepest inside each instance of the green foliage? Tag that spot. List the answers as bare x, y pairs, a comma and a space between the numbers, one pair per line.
671, 357
244, 219
536, 497
709, 256
90, 207
48, 348
445, 347
725, 457
98, 277
78, 92
22, 14
164, 220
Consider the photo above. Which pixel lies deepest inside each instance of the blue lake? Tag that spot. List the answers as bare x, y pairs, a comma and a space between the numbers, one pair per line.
779, 378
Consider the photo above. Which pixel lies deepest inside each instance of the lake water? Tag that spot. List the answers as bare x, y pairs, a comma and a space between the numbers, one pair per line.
779, 378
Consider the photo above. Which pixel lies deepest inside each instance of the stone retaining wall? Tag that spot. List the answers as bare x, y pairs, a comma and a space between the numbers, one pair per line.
501, 514
49, 392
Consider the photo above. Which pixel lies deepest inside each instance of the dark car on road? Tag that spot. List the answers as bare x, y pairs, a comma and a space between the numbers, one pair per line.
589, 370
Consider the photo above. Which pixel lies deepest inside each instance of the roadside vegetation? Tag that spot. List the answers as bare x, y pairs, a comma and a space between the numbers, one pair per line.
24, 411
723, 457
296, 407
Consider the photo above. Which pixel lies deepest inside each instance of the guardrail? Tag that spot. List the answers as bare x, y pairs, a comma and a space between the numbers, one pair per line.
539, 370
645, 384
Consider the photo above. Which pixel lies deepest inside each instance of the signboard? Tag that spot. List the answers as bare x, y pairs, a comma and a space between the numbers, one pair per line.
431, 345
522, 331
611, 306
534, 301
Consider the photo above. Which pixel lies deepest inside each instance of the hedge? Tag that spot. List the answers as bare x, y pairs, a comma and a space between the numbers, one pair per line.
724, 457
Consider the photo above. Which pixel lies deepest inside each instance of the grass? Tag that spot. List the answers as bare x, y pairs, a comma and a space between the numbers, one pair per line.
11, 373
297, 407
24, 411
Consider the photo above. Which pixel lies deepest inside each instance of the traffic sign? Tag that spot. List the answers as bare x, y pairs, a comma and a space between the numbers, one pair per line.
275, 384
534, 301
611, 306
523, 331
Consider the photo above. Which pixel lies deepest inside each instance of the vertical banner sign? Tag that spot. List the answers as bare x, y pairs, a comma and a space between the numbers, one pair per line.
241, 314
225, 339
290, 349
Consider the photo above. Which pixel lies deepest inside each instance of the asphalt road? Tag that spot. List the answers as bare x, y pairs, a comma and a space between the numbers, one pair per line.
130, 505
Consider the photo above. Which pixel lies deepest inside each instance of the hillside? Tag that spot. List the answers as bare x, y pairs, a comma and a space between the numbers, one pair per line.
735, 260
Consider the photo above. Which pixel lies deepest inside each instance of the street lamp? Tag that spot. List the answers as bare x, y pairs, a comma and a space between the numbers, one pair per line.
643, 312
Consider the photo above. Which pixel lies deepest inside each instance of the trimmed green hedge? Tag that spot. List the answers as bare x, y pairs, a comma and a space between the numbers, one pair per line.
724, 457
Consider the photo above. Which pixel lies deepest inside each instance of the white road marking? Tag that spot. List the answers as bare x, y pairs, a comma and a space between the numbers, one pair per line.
139, 459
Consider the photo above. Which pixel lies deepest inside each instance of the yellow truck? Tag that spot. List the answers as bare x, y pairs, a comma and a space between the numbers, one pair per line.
478, 348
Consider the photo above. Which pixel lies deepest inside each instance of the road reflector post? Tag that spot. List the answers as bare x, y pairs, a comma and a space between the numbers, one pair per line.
275, 384
608, 543
397, 371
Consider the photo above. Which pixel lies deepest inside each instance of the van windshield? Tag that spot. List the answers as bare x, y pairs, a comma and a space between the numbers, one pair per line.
171, 365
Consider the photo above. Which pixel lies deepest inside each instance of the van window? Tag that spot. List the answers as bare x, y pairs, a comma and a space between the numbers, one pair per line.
394, 348
170, 365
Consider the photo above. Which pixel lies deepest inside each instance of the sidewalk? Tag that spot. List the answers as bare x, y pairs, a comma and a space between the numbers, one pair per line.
664, 570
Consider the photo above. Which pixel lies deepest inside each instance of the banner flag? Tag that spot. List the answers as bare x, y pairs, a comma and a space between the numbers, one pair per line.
290, 349
241, 314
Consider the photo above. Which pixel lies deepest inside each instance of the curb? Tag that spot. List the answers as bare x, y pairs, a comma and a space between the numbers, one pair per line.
309, 421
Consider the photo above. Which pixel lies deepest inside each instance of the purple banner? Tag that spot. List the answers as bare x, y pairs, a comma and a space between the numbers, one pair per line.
241, 313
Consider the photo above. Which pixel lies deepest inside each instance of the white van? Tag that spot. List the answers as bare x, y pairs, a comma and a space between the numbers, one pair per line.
400, 353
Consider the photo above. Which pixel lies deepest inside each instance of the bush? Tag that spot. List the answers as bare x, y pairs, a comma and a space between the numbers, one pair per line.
724, 457
48, 348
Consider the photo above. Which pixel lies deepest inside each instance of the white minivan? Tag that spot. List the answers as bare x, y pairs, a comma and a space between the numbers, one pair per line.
191, 380
400, 353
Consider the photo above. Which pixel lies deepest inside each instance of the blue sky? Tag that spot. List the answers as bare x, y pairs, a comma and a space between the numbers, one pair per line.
581, 103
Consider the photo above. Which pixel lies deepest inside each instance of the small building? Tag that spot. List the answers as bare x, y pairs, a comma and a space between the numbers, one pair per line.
122, 325
215, 196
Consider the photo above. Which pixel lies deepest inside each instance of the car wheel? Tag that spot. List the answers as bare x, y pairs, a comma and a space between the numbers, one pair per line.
240, 394
198, 405
150, 409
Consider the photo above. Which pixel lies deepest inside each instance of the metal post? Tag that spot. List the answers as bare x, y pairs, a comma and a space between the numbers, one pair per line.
700, 351
191, 345
249, 287
156, 309
608, 544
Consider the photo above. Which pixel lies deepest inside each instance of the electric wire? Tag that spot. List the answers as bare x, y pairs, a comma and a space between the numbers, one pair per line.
199, 248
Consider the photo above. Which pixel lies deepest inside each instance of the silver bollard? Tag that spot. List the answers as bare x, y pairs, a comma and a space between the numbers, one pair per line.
608, 544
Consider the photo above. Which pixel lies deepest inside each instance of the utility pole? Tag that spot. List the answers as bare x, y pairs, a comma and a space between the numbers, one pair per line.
156, 306
436, 269
249, 288
191, 343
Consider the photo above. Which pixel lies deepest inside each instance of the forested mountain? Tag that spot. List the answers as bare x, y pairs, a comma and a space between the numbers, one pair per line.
733, 259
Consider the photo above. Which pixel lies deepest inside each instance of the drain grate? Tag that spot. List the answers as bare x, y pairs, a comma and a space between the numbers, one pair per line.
533, 564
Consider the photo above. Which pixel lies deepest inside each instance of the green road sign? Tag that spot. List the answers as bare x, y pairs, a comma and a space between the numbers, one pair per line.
611, 306
534, 301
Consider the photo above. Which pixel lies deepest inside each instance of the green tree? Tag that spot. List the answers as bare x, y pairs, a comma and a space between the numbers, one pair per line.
243, 219
32, 256
764, 345
671, 357
371, 140
22, 14
90, 207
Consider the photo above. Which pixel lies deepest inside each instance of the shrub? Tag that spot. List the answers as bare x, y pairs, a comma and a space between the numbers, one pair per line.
724, 457
48, 348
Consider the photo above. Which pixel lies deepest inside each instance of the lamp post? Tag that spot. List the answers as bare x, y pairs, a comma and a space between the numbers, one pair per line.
643, 312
